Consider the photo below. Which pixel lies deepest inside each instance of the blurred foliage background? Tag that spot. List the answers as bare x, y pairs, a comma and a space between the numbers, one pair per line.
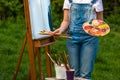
14, 8
12, 32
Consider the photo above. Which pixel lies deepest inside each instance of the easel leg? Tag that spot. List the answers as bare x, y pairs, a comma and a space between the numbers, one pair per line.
31, 59
49, 69
39, 62
20, 58
29, 75
37, 54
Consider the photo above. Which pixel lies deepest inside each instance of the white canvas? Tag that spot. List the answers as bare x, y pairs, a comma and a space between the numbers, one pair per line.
39, 17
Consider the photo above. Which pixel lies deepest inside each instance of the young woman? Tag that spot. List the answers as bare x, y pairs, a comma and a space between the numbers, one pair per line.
82, 48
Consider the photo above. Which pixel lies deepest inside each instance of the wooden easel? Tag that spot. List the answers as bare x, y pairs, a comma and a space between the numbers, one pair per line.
34, 49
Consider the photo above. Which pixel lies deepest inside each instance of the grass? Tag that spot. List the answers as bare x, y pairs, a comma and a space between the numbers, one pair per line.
107, 65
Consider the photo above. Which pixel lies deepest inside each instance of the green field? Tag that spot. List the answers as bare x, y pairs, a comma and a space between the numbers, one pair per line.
107, 65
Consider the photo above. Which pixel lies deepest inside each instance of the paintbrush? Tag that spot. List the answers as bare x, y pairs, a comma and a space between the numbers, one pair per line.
51, 33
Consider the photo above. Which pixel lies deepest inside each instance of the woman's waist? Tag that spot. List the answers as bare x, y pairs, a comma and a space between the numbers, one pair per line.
77, 29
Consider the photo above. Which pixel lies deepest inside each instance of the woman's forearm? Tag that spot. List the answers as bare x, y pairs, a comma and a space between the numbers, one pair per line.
99, 15
64, 26
65, 23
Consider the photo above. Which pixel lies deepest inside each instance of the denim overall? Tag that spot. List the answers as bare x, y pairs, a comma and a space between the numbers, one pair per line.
82, 48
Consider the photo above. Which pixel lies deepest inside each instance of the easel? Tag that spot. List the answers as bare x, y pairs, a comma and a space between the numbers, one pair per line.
34, 49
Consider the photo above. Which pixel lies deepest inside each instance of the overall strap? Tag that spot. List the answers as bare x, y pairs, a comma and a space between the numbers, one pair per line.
70, 1
93, 1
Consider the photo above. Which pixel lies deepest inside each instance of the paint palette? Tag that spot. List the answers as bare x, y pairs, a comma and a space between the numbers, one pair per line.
97, 28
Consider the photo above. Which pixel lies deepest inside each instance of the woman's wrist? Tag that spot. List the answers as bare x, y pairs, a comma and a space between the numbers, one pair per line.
64, 26
63, 29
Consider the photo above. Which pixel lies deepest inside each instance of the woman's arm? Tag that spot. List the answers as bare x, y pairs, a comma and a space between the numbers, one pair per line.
99, 15
65, 23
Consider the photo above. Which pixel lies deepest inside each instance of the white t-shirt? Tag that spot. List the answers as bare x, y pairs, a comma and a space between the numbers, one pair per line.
98, 5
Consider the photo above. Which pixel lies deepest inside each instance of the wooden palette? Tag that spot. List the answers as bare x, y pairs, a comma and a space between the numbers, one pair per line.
97, 28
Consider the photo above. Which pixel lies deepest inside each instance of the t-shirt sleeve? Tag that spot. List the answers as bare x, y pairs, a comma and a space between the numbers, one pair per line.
98, 6
66, 4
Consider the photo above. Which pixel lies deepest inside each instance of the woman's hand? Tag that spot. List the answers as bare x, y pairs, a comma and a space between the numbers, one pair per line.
57, 32
64, 25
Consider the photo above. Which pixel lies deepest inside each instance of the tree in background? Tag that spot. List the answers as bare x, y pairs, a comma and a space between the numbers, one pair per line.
111, 7
14, 8
112, 11
57, 12
10, 8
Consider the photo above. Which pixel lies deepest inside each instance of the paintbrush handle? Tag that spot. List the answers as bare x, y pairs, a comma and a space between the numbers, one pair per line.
64, 36
51, 33
51, 58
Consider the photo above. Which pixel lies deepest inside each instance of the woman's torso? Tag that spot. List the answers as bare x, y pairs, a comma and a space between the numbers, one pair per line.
80, 13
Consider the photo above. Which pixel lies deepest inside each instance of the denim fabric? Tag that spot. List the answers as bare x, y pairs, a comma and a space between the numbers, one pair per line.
80, 13
82, 48
93, 1
70, 1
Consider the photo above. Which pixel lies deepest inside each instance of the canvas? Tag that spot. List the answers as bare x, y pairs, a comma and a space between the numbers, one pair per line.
40, 17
